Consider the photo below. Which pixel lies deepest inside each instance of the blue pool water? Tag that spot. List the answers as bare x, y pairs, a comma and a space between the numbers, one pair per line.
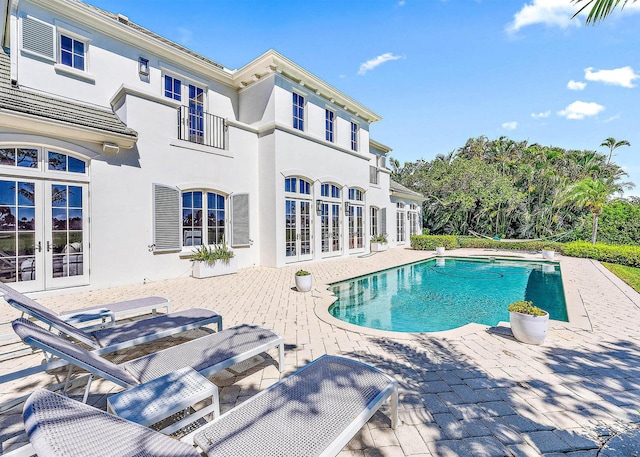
442, 294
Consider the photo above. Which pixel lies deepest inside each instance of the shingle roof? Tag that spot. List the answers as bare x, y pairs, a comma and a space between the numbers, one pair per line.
124, 20
49, 107
397, 187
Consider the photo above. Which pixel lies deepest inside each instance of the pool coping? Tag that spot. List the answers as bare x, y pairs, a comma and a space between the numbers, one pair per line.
577, 314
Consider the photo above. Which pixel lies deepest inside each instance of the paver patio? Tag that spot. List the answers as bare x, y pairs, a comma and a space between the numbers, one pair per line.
475, 391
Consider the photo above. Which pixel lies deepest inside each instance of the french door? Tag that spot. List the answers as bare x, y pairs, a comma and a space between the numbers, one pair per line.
297, 230
43, 233
330, 229
356, 228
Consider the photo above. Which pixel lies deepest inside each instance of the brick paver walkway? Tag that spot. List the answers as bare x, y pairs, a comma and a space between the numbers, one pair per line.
472, 392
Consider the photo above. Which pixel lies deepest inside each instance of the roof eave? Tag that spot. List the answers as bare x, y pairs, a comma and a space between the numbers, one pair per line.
123, 32
271, 61
65, 130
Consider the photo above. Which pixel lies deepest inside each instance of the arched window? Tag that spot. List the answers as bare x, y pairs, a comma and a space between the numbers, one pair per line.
355, 194
330, 190
203, 217
374, 221
297, 186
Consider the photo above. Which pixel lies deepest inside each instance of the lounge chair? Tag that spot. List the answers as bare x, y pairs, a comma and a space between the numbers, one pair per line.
206, 355
106, 312
314, 412
113, 338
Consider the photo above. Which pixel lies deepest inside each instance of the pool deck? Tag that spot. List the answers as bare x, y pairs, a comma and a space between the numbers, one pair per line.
471, 391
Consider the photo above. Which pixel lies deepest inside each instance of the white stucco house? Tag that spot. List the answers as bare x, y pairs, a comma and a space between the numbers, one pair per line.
121, 151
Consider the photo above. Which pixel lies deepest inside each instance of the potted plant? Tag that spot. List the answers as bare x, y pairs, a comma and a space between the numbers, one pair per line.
304, 280
213, 260
548, 251
529, 323
379, 243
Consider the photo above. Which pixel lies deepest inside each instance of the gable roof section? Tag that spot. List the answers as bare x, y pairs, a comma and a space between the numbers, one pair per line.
398, 190
121, 19
121, 28
25, 102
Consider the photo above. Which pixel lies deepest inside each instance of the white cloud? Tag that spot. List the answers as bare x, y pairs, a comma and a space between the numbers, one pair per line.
576, 85
401, 3
623, 76
373, 63
549, 12
184, 35
557, 13
580, 110
541, 115
510, 125
612, 118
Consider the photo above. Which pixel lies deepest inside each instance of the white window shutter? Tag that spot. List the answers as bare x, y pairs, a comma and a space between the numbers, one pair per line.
38, 38
240, 220
383, 221
166, 218
373, 174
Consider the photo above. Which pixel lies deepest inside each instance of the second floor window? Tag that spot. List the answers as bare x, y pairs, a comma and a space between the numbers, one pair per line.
172, 88
298, 112
329, 123
72, 52
354, 136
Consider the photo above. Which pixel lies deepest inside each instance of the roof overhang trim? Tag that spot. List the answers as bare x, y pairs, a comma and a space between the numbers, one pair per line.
271, 62
64, 130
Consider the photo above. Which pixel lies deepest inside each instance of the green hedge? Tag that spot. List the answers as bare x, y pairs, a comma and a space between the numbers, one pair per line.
431, 242
619, 254
612, 253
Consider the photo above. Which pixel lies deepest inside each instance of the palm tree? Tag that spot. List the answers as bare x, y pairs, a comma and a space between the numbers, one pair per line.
593, 194
612, 144
600, 9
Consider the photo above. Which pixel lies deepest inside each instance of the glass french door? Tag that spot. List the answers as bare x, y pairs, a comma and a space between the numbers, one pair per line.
330, 229
297, 230
196, 114
356, 228
43, 234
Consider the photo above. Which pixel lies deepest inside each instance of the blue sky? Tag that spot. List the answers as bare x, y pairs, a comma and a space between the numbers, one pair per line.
438, 71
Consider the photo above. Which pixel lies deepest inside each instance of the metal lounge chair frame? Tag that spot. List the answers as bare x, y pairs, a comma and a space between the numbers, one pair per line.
331, 398
110, 339
106, 312
120, 336
206, 355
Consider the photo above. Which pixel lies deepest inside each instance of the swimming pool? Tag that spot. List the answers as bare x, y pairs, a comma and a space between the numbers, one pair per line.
443, 294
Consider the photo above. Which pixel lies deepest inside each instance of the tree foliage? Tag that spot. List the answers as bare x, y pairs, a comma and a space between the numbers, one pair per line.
511, 189
598, 10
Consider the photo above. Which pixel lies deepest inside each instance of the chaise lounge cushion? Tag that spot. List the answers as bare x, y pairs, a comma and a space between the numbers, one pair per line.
58, 426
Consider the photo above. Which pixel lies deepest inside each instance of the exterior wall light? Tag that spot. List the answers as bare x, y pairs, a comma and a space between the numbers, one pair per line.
318, 207
347, 208
143, 66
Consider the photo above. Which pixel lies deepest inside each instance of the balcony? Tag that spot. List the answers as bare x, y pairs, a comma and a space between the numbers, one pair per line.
197, 126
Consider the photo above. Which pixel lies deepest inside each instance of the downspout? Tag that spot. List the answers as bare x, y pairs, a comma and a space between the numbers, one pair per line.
13, 40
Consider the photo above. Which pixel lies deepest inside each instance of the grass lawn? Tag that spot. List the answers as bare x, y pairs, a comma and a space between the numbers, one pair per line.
630, 275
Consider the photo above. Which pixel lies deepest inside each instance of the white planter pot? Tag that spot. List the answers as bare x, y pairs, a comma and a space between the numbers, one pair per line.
546, 254
217, 268
304, 283
440, 250
379, 247
529, 329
